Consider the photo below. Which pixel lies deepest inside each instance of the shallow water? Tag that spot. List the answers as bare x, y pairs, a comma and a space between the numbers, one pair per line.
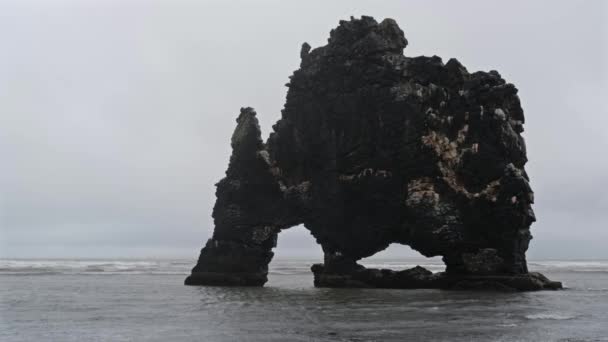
144, 300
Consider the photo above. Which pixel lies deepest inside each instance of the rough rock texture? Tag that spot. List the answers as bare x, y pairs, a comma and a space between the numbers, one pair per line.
374, 148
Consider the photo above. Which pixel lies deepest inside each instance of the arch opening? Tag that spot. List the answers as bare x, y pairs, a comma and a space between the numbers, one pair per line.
399, 257
296, 251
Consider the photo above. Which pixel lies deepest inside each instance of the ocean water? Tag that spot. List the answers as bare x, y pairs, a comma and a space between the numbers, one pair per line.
145, 300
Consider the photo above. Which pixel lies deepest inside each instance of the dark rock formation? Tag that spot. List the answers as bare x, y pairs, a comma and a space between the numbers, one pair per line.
373, 148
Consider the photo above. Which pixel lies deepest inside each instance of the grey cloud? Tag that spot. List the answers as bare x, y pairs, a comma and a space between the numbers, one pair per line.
115, 116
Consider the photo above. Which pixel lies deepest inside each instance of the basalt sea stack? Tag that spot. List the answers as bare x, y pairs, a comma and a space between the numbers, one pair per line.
374, 148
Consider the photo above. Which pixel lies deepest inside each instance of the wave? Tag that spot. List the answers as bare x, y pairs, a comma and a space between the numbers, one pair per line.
91, 267
276, 267
277, 272
400, 265
550, 316
586, 266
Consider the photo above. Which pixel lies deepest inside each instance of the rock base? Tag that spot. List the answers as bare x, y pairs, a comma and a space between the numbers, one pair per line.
421, 278
226, 279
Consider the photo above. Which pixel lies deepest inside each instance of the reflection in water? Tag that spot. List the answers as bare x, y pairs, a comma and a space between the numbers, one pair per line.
74, 304
286, 308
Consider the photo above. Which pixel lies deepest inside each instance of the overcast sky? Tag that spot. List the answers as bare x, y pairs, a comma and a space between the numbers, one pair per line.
115, 116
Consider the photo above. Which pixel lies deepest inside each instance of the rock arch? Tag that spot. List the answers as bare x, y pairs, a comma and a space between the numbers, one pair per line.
373, 148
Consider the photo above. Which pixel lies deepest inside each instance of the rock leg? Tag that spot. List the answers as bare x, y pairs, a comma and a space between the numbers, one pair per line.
248, 214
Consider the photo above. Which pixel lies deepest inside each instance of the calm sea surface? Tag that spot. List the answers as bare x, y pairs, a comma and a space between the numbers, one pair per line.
144, 300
